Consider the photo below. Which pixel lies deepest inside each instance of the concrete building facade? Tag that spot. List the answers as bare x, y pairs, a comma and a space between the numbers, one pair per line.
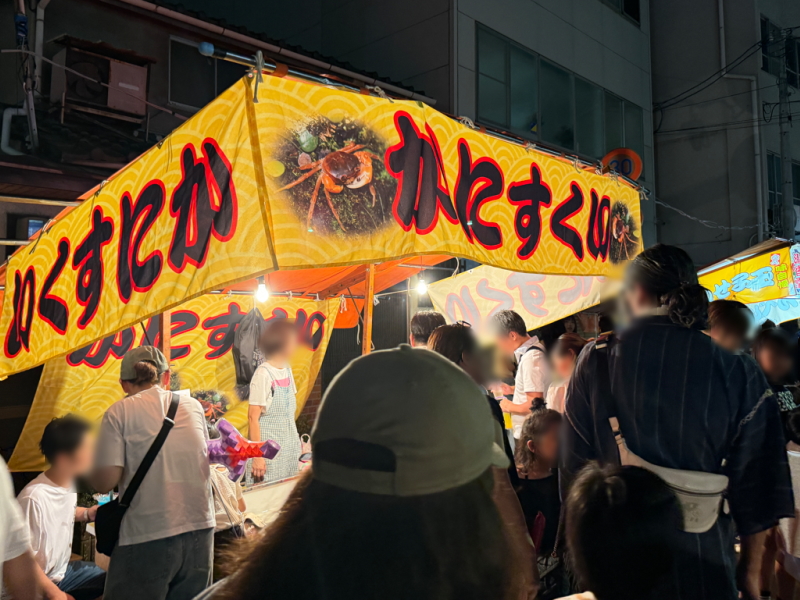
717, 146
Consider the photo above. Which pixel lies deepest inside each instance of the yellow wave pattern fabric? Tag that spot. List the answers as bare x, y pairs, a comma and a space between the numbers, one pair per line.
183, 219
353, 178
306, 177
764, 277
475, 296
86, 382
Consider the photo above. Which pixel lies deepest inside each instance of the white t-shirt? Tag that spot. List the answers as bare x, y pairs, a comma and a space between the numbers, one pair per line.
49, 511
556, 395
175, 495
533, 375
13, 533
261, 384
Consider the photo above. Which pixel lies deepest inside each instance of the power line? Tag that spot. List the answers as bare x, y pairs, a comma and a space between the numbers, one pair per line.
728, 96
704, 222
717, 75
710, 79
727, 125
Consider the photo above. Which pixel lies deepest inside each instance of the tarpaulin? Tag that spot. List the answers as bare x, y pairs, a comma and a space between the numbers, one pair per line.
183, 219
766, 276
307, 177
475, 296
86, 381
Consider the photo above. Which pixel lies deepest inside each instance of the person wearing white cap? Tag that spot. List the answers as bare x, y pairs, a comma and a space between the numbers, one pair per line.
166, 538
398, 502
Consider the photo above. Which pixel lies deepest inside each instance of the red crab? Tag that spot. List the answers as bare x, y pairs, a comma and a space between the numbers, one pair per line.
349, 167
621, 231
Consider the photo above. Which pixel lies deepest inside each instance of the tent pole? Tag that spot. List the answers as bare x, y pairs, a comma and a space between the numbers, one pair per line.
369, 304
164, 333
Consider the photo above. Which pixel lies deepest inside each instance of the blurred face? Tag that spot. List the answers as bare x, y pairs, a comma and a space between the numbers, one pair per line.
776, 365
290, 347
636, 300
564, 365
477, 364
80, 461
727, 340
546, 447
508, 342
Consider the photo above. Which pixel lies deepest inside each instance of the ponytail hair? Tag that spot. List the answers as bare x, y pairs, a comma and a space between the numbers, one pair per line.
668, 274
146, 374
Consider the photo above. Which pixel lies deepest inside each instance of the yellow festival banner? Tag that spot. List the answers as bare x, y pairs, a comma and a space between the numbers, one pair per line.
307, 176
764, 277
86, 381
475, 296
183, 219
353, 178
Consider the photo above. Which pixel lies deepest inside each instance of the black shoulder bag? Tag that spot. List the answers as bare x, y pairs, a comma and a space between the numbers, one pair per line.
108, 520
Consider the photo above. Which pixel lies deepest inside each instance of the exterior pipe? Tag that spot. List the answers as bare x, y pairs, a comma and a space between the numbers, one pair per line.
756, 117
38, 44
5, 133
250, 41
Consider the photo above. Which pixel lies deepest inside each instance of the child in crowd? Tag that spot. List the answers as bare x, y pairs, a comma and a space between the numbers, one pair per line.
273, 402
536, 459
49, 505
621, 528
773, 350
729, 322
563, 356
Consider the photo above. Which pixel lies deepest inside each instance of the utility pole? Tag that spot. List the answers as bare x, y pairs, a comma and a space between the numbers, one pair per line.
789, 217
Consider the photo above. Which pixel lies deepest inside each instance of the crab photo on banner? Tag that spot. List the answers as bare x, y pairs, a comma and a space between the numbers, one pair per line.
353, 178
294, 175
476, 295
86, 381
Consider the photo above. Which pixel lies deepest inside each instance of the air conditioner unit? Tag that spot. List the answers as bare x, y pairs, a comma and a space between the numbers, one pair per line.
127, 83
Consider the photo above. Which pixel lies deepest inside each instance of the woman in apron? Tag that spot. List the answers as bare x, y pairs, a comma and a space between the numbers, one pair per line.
273, 403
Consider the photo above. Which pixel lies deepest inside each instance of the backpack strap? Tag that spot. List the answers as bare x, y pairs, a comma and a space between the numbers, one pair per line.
152, 452
604, 385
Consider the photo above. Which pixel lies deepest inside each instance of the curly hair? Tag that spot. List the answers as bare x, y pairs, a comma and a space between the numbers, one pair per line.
536, 424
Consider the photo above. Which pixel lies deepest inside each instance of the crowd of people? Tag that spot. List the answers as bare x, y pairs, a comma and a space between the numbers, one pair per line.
650, 462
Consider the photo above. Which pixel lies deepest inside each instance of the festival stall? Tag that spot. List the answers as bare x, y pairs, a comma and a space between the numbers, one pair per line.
313, 196
765, 277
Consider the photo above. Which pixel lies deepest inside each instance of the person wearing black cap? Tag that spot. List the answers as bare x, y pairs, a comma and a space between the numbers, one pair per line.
398, 502
166, 538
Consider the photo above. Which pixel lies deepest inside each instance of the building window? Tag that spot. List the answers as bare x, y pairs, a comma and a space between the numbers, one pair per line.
770, 47
793, 62
194, 79
557, 105
629, 8
507, 85
527, 95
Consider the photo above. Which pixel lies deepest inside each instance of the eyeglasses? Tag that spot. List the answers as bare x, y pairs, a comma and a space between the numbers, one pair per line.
463, 324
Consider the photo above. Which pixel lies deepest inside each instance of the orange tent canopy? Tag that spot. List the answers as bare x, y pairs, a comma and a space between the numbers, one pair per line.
330, 281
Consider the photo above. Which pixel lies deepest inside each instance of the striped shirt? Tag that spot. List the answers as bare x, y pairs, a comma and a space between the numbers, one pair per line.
680, 400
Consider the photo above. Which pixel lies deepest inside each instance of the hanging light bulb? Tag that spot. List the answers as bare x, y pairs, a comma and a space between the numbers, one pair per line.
422, 287
262, 293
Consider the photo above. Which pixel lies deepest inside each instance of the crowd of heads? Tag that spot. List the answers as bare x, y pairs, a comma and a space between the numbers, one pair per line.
404, 445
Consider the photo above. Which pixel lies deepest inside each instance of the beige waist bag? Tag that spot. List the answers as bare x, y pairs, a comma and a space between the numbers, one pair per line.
700, 494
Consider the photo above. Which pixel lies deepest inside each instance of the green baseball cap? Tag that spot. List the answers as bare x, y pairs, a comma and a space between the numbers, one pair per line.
403, 422
149, 354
